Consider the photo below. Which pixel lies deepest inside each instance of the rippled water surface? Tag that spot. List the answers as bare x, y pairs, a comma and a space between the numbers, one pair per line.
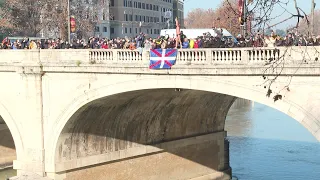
265, 144
4, 174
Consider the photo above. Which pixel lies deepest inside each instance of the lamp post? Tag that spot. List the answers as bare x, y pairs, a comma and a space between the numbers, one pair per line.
245, 17
313, 5
68, 11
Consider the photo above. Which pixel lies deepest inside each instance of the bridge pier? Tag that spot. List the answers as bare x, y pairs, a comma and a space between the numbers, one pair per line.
198, 157
30, 157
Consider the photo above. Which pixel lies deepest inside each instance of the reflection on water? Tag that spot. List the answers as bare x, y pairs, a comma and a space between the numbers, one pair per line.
7, 173
265, 144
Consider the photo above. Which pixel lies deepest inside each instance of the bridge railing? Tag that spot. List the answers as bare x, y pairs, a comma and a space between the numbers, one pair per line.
225, 56
289, 55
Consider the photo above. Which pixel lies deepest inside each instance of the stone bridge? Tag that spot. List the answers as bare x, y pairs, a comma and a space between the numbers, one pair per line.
79, 114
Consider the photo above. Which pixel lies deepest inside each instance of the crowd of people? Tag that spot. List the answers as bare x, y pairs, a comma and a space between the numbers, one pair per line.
143, 41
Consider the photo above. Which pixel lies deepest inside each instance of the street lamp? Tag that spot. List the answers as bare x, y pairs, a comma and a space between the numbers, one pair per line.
68, 10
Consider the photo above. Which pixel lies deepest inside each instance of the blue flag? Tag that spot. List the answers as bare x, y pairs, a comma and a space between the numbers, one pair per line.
162, 58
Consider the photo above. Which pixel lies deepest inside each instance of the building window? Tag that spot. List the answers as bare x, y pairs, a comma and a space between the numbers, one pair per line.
125, 30
105, 29
136, 30
97, 29
112, 30
150, 31
111, 2
130, 30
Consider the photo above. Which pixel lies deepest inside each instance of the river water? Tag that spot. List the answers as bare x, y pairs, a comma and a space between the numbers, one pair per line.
4, 174
266, 144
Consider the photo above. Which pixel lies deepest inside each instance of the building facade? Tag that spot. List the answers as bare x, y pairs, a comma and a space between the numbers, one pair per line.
127, 18
130, 17
178, 11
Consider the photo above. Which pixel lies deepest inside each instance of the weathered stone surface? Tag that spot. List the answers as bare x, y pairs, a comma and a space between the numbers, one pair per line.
29, 176
43, 92
186, 162
144, 117
1, 120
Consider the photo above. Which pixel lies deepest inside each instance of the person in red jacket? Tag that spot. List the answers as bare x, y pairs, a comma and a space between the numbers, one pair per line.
105, 45
196, 44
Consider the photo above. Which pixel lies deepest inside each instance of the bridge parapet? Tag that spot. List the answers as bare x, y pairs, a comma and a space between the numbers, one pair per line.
236, 56
292, 55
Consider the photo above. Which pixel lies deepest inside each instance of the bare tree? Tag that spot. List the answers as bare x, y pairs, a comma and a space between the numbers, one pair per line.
88, 15
31, 17
200, 18
264, 15
225, 16
228, 17
304, 27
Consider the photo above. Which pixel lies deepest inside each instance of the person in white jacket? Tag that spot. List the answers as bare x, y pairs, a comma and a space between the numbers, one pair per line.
270, 41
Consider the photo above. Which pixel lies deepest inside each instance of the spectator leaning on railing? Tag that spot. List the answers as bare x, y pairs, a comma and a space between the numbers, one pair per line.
143, 42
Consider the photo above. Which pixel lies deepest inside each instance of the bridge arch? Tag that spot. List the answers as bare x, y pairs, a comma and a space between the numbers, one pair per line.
13, 128
232, 89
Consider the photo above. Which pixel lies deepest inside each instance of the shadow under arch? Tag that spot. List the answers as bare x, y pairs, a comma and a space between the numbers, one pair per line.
227, 89
12, 126
135, 119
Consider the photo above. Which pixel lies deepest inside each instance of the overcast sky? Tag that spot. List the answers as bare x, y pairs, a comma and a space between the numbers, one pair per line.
304, 4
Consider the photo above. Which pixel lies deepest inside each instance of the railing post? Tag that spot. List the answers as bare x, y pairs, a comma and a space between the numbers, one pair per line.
115, 57
145, 59
244, 56
209, 59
